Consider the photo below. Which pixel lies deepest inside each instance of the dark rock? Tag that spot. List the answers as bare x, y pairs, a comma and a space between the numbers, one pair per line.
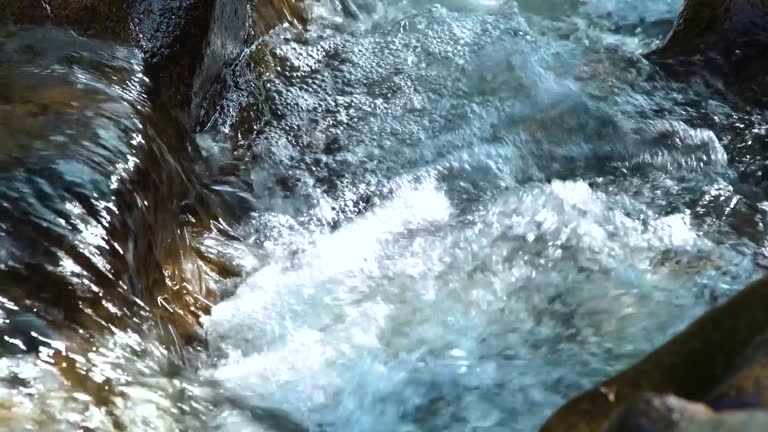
667, 413
741, 421
717, 25
656, 413
691, 365
185, 43
725, 39
102, 19
747, 384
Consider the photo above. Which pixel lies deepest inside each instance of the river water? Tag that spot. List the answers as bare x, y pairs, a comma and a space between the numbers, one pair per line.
452, 216
471, 211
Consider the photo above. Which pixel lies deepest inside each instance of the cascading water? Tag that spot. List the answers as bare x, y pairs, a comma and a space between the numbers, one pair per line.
441, 216
468, 212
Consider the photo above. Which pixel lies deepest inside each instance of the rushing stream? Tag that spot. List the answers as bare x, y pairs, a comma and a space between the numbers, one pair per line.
449, 217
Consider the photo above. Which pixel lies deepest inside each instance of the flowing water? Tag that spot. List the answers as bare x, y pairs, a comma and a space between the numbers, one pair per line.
449, 216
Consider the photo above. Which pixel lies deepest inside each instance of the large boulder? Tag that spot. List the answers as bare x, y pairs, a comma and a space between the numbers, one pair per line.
721, 39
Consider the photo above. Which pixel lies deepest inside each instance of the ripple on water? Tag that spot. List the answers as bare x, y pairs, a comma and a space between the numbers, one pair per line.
468, 219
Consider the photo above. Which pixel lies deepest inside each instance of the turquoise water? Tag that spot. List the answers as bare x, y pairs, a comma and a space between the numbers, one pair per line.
468, 212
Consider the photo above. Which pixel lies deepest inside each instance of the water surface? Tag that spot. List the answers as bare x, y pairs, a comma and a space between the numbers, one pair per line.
468, 212
445, 216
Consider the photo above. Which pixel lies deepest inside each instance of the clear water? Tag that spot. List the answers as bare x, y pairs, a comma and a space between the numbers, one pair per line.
451, 216
468, 212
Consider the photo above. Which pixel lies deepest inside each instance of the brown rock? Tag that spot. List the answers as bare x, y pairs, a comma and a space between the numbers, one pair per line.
743, 421
747, 383
657, 413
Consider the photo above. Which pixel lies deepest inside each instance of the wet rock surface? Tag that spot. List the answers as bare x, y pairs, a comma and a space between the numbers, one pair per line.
725, 38
704, 25
184, 43
100, 19
101, 198
653, 412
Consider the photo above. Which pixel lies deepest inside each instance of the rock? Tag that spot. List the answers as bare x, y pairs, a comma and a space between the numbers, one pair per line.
100, 178
743, 421
657, 413
185, 43
667, 413
724, 39
101, 19
717, 25
747, 384
691, 365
